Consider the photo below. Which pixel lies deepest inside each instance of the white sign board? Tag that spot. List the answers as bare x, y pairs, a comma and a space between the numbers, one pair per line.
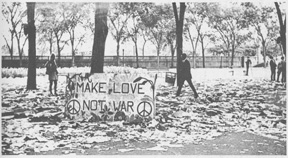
109, 97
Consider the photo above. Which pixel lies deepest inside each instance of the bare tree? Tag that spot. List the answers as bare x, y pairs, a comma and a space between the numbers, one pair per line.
14, 14
73, 14
118, 19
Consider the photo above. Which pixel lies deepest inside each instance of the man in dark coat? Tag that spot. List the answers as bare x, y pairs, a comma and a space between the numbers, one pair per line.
273, 68
248, 63
283, 70
185, 75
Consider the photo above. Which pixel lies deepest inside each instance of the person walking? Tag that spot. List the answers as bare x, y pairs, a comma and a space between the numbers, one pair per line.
51, 71
248, 63
273, 66
185, 75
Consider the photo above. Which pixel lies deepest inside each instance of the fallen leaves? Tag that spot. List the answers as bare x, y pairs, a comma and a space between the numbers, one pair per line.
33, 121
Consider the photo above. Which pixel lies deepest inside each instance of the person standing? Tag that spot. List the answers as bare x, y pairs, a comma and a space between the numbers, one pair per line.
185, 75
248, 63
279, 67
273, 68
283, 70
51, 71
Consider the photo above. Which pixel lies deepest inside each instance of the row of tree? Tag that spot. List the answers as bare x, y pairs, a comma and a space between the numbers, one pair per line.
241, 27
231, 20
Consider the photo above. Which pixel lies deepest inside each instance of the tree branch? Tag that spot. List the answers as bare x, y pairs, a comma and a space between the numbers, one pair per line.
124, 23
190, 37
223, 37
279, 14
65, 42
175, 12
80, 40
7, 43
182, 10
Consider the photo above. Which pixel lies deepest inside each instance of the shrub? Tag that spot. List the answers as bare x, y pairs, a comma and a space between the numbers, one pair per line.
14, 72
22, 72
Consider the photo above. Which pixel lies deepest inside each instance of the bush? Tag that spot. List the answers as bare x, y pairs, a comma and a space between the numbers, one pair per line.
123, 70
14, 72
22, 72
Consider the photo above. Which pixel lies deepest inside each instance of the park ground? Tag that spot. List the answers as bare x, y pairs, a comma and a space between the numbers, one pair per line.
234, 115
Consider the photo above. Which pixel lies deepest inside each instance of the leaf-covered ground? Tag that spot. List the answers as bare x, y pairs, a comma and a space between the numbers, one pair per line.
33, 122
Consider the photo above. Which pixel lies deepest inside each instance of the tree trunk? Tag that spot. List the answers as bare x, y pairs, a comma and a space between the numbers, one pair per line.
283, 34
193, 48
203, 53
58, 48
22, 52
282, 28
264, 53
73, 56
100, 34
172, 54
31, 80
194, 59
20, 60
143, 48
158, 58
232, 56
73, 50
179, 34
172, 62
117, 51
50, 46
12, 45
137, 62
19, 52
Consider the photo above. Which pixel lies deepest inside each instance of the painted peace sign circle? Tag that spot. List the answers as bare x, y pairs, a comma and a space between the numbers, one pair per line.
73, 106
144, 108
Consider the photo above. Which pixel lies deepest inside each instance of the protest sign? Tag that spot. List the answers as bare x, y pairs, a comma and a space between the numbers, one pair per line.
109, 97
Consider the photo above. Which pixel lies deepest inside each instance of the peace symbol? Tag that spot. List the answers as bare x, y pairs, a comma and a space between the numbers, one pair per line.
73, 106
144, 108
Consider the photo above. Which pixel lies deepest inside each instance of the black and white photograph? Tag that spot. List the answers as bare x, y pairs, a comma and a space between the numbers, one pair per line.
142, 78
